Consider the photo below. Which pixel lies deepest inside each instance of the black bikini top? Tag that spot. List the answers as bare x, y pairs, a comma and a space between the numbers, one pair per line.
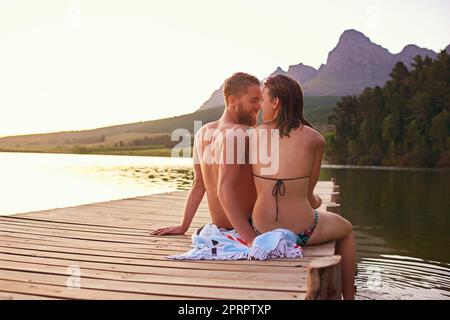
279, 188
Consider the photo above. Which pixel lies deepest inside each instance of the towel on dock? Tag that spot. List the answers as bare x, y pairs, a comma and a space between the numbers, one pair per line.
213, 243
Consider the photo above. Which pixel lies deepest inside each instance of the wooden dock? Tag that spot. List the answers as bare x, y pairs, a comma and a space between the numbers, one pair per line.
105, 251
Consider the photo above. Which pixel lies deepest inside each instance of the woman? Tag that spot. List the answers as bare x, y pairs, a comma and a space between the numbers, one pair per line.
285, 199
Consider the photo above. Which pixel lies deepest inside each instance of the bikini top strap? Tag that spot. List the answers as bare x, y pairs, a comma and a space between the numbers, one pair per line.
277, 179
279, 189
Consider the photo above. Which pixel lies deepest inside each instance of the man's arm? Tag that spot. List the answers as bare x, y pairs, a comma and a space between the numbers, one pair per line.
193, 201
315, 200
228, 179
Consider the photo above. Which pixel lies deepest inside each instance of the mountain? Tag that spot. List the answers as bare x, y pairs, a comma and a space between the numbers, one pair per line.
354, 64
410, 51
215, 100
300, 72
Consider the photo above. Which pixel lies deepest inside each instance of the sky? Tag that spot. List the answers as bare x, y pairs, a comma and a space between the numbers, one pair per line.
83, 64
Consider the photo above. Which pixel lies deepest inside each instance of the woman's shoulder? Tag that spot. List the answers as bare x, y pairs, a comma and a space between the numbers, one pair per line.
312, 134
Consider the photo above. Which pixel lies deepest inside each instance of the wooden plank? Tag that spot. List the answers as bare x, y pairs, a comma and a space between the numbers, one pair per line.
104, 253
181, 243
73, 224
77, 222
50, 225
152, 289
176, 241
129, 252
195, 273
108, 221
308, 251
247, 283
21, 296
125, 220
249, 266
4, 224
62, 292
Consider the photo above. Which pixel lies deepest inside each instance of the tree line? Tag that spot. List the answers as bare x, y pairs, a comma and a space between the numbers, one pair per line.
404, 123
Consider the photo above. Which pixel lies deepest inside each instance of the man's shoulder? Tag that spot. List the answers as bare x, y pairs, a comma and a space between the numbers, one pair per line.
210, 126
232, 126
216, 130
228, 130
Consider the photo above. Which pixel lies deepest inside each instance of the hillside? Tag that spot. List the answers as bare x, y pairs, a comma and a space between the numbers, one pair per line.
141, 134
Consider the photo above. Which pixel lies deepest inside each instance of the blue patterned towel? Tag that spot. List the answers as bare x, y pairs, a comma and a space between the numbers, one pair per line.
213, 243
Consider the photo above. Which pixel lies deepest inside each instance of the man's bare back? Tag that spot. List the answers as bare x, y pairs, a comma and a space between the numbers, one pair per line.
229, 185
210, 173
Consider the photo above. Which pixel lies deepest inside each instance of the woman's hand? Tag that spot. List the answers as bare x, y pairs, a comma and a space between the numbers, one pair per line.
318, 201
169, 231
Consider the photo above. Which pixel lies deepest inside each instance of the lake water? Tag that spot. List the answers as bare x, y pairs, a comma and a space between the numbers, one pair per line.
401, 218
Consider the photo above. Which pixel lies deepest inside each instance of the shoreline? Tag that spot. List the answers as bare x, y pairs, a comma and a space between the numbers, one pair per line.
166, 153
161, 152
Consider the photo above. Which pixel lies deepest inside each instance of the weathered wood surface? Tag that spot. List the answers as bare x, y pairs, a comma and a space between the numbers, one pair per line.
105, 251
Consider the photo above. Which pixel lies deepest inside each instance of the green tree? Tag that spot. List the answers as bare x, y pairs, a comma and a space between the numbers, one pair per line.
406, 122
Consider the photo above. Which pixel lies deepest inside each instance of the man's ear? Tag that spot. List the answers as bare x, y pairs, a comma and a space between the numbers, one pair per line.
232, 100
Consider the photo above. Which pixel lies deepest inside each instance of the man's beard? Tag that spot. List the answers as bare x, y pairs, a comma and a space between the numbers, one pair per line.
245, 118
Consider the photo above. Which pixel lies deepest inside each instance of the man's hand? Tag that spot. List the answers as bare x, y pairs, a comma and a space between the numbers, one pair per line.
250, 243
169, 231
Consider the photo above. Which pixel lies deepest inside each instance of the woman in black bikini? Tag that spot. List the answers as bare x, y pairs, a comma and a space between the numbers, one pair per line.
285, 199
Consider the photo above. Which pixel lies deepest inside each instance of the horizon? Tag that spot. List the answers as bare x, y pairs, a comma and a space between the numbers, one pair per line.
66, 65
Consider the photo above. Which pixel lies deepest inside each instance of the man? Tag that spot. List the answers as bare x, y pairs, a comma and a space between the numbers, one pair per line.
229, 185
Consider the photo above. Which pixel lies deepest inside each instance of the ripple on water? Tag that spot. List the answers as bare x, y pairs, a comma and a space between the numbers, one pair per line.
402, 277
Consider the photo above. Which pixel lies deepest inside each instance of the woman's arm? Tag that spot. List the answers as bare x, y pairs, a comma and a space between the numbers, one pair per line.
319, 148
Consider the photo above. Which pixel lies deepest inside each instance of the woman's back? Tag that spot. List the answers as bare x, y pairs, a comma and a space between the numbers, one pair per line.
285, 198
282, 198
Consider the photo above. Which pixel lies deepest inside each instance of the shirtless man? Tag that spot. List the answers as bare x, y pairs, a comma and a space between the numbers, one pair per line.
229, 187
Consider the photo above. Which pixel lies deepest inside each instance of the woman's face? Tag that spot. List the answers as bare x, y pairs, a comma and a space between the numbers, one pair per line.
269, 106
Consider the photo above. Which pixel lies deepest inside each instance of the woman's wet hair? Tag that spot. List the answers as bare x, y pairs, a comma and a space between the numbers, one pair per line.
290, 95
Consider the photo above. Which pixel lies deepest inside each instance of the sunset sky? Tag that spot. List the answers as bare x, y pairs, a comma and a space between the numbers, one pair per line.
71, 64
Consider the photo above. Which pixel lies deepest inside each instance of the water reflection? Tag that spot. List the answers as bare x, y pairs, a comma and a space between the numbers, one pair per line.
35, 181
173, 177
398, 216
410, 208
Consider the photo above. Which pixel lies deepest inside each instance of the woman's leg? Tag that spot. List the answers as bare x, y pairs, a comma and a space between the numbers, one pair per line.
345, 247
330, 227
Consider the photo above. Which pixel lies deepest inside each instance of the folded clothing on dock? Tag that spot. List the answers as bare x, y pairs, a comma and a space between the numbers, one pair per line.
213, 243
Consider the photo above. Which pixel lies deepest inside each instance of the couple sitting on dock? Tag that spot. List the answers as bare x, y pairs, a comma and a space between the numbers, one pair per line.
245, 194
